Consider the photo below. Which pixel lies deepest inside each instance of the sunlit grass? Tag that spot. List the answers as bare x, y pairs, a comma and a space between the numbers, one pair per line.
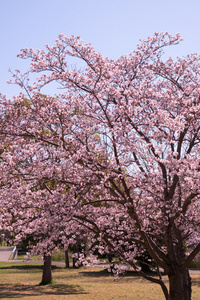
22, 281
56, 256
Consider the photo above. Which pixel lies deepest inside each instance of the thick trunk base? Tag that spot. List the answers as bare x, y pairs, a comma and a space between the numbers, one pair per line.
47, 273
180, 286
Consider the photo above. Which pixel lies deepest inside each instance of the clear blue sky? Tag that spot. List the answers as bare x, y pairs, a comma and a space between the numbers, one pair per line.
113, 27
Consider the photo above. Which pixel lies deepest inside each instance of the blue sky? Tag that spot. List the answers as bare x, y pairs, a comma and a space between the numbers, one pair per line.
113, 27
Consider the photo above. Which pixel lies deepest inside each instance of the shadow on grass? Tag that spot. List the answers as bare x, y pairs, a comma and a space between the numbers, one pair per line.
101, 273
105, 272
13, 291
196, 282
25, 269
28, 267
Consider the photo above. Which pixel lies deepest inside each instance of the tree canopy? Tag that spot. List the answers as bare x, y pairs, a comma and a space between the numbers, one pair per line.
116, 153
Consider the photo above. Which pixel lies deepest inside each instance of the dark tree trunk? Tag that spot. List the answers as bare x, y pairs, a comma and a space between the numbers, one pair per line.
112, 265
47, 274
187, 284
75, 250
74, 263
180, 285
66, 259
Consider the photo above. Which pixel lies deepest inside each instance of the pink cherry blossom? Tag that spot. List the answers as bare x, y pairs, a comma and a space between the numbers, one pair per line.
113, 157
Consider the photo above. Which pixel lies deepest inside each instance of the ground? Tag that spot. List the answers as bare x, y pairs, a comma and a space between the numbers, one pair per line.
21, 281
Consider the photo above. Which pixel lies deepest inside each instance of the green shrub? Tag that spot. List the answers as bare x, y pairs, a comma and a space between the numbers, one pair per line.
194, 265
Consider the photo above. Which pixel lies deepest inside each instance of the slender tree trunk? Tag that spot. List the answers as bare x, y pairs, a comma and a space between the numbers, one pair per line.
112, 266
66, 259
47, 274
180, 286
75, 250
74, 263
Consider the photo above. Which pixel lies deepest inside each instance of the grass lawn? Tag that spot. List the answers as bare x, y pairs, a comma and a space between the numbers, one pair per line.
56, 256
20, 281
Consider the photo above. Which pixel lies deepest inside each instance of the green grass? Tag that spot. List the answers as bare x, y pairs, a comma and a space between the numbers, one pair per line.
3, 244
60, 256
195, 265
34, 257
21, 280
56, 256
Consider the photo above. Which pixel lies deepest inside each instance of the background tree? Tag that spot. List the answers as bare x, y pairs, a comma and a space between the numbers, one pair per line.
30, 208
126, 134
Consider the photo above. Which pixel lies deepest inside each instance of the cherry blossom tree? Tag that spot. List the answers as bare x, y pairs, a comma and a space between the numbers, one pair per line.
29, 198
32, 212
116, 152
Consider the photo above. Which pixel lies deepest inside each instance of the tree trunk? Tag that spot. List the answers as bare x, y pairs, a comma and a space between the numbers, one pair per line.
180, 285
74, 263
66, 259
47, 274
